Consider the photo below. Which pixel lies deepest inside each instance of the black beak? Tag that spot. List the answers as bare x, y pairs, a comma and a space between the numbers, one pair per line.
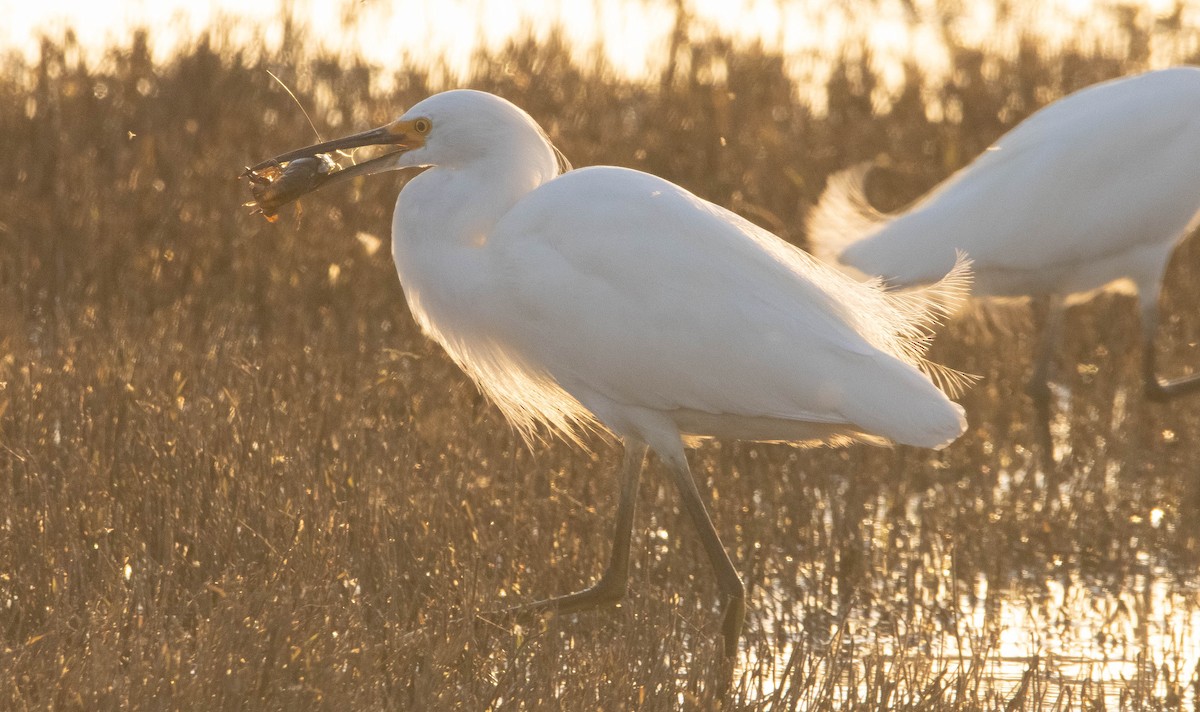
285, 178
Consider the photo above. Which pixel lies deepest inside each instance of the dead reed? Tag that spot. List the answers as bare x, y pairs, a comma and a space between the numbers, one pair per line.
234, 476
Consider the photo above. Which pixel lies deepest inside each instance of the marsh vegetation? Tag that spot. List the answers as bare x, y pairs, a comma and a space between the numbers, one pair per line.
233, 475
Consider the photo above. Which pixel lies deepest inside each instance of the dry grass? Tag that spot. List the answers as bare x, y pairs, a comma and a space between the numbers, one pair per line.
233, 476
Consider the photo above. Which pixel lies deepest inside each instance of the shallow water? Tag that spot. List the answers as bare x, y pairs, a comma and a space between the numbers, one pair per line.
1077, 639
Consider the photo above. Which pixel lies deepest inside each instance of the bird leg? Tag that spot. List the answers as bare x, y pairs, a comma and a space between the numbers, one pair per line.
613, 584
732, 589
1039, 383
1160, 390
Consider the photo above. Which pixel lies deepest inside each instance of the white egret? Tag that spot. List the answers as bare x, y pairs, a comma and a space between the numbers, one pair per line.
1091, 193
609, 299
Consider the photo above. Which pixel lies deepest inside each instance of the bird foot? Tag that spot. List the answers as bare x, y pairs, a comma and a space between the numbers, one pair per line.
604, 593
1160, 391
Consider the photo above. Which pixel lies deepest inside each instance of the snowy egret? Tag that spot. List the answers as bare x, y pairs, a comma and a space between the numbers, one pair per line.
1090, 193
606, 299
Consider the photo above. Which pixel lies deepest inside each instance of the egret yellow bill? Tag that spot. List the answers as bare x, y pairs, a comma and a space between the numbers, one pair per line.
606, 299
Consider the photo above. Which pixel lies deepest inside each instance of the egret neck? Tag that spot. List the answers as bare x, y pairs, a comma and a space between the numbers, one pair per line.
445, 217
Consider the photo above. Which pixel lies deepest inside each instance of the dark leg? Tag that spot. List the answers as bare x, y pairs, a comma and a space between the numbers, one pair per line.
728, 580
613, 583
1157, 389
1039, 383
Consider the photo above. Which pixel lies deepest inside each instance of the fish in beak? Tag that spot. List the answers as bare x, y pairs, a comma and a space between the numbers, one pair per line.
287, 177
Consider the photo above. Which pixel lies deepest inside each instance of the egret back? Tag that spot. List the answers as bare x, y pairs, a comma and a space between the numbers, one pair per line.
1059, 203
628, 291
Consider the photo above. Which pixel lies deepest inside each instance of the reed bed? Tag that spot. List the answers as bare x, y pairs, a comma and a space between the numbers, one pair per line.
233, 475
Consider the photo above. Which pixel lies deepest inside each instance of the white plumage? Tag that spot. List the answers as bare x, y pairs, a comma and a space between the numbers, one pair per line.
1092, 192
606, 298
612, 292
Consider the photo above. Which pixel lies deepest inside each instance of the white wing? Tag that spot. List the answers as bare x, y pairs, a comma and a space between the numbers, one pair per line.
631, 292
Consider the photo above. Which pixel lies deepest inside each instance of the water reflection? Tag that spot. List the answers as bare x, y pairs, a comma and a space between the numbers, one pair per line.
1063, 596
1072, 639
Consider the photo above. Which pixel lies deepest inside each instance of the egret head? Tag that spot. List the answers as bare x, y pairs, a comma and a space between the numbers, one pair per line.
451, 129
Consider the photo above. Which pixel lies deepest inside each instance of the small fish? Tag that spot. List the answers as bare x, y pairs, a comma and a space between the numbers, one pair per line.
274, 184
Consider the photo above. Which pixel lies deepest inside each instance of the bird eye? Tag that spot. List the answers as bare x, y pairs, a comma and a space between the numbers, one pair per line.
421, 126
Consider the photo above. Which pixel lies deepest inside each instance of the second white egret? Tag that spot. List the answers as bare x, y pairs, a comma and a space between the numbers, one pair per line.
1091, 193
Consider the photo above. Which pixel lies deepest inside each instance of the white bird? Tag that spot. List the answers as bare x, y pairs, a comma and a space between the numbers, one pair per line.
1091, 193
606, 299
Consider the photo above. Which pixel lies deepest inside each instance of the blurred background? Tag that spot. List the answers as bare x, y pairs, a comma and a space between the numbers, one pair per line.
233, 475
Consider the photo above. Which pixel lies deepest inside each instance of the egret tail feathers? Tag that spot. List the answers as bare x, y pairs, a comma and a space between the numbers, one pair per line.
842, 216
925, 309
